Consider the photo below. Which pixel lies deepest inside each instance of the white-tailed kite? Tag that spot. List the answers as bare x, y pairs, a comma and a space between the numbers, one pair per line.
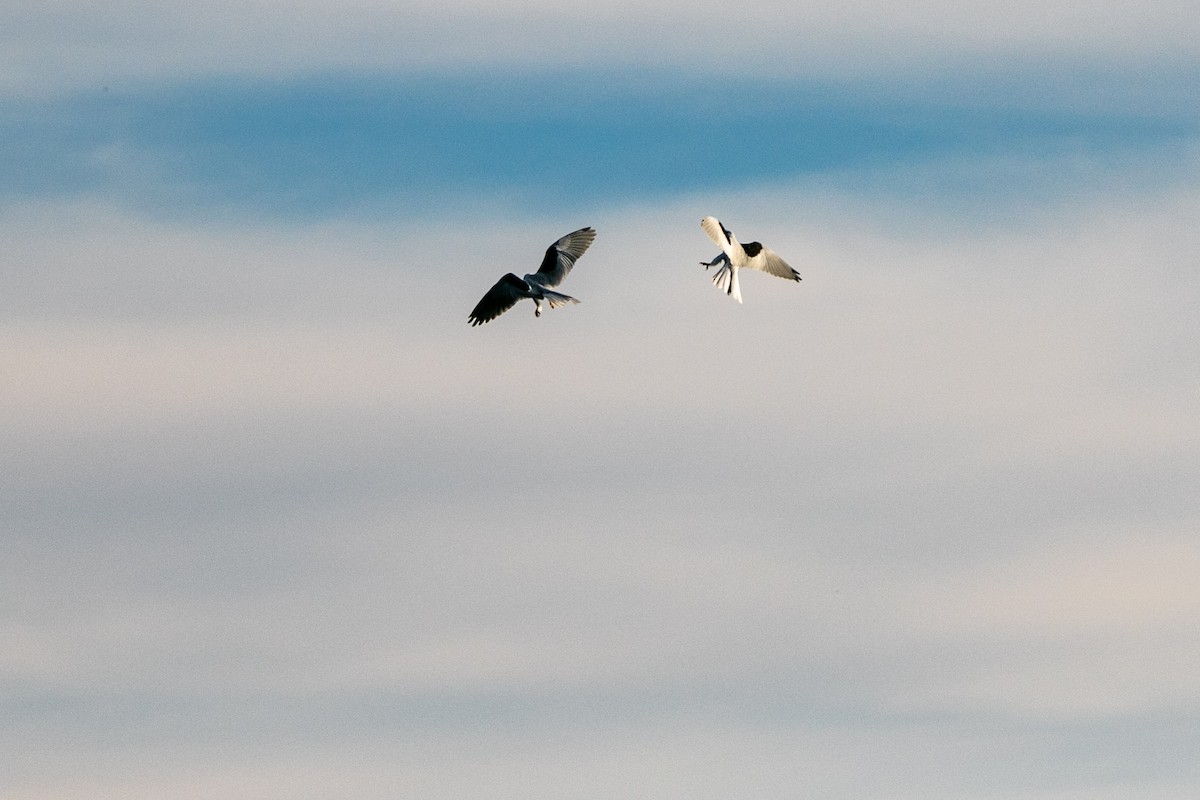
735, 255
559, 259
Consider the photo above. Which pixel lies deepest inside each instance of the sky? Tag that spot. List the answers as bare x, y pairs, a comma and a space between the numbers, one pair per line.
276, 523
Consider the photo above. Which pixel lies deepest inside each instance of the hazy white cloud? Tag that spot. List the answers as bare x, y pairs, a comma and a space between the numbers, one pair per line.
53, 46
919, 526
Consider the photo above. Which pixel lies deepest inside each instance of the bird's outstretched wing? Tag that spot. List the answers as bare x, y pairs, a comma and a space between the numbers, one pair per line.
764, 259
563, 254
500, 298
717, 232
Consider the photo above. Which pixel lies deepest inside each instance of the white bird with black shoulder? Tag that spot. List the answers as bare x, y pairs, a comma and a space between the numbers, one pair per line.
735, 256
559, 259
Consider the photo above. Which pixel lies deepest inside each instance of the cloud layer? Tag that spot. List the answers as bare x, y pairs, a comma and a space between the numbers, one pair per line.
282, 524
58, 46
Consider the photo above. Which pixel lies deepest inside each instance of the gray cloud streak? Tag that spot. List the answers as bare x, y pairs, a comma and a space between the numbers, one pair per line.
49, 47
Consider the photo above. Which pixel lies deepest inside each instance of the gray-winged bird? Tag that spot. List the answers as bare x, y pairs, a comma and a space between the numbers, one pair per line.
559, 259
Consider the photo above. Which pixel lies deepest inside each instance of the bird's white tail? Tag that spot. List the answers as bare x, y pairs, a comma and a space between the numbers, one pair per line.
726, 279
557, 299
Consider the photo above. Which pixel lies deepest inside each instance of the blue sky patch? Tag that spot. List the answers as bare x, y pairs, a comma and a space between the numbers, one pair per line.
327, 144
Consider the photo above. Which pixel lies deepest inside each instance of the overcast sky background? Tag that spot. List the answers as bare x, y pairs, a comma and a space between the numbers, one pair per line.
276, 523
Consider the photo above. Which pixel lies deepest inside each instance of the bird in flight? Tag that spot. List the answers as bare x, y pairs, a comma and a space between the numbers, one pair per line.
735, 256
559, 259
